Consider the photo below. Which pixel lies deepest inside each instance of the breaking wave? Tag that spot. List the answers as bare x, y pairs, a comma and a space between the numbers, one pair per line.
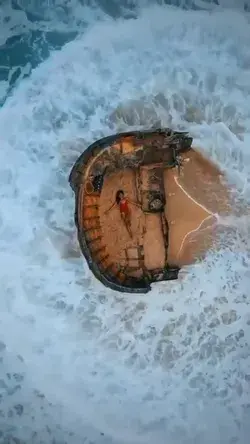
80, 363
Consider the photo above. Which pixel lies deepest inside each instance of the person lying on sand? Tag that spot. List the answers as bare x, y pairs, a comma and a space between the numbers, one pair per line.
123, 203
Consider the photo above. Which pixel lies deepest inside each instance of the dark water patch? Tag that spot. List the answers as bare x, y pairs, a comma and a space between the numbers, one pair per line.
131, 8
22, 53
32, 47
31, 16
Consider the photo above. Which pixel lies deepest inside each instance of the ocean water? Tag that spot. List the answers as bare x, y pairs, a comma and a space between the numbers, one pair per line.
80, 363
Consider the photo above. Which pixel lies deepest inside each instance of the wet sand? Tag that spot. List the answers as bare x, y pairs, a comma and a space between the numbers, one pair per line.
187, 221
193, 199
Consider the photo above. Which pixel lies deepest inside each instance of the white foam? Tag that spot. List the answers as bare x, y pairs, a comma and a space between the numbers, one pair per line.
172, 365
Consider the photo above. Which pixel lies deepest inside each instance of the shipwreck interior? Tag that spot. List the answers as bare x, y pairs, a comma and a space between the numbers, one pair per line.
172, 208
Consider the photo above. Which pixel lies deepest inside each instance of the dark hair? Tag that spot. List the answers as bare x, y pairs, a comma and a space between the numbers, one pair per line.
117, 196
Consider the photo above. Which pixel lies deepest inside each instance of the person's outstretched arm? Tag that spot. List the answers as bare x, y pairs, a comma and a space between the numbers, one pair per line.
112, 206
134, 203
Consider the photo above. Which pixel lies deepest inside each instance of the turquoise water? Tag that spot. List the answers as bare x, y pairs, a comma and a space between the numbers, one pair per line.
80, 363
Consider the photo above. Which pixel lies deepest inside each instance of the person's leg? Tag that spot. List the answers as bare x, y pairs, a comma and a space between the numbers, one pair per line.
127, 222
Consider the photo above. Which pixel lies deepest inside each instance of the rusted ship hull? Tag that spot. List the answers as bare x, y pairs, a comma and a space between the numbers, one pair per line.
174, 194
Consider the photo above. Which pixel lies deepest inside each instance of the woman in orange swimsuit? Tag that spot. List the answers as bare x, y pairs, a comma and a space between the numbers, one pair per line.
125, 211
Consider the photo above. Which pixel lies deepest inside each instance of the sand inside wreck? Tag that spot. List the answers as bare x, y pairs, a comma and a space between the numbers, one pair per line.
193, 199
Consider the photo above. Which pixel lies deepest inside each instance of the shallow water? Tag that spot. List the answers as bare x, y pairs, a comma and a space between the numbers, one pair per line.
80, 363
